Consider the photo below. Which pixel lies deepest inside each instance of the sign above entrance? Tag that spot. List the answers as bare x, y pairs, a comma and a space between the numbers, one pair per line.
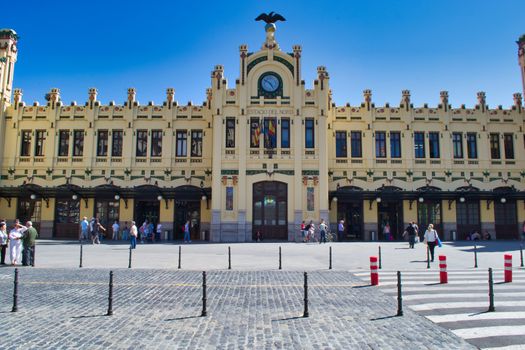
270, 111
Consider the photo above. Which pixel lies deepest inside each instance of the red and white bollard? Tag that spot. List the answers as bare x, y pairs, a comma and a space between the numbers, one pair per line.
374, 275
443, 276
508, 268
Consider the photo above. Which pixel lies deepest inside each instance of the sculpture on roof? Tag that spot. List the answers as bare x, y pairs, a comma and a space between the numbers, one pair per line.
271, 17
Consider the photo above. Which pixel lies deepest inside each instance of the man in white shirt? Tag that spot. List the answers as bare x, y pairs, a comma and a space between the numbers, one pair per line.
133, 232
116, 229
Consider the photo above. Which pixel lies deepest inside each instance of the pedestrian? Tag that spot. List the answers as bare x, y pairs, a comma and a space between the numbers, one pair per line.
523, 232
92, 230
125, 232
133, 233
116, 228
303, 231
98, 232
143, 231
322, 232
151, 232
15, 242
411, 232
416, 231
158, 232
29, 241
431, 238
187, 232
386, 232
311, 232
4, 237
84, 227
341, 230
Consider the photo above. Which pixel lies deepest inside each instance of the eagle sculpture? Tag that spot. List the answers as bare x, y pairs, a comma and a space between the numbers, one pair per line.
270, 17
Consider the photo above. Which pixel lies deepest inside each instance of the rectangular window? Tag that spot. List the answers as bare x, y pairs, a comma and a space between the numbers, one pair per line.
355, 139
63, 143
340, 144
310, 206
395, 144
270, 132
309, 141
78, 143
433, 144
285, 133
494, 146
102, 143
156, 143
39, 142
255, 132
472, 145
196, 143
229, 198
457, 144
230, 132
419, 144
116, 143
142, 143
25, 146
508, 142
182, 143
380, 144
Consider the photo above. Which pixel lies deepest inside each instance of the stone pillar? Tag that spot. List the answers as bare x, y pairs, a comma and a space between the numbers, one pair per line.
370, 220
449, 220
488, 222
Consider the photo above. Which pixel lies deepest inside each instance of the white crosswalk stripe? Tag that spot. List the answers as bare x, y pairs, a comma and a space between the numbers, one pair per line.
461, 305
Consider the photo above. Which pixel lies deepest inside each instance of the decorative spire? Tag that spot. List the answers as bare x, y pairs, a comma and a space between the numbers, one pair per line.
444, 99
367, 94
18, 97
132, 93
405, 99
170, 96
517, 101
482, 101
92, 93
270, 27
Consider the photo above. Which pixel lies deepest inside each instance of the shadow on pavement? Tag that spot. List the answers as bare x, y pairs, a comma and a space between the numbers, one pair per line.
289, 318
383, 318
181, 318
89, 316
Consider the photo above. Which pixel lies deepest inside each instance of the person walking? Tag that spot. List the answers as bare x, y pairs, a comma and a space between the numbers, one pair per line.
341, 230
125, 232
386, 232
303, 231
84, 228
29, 241
116, 228
15, 242
431, 238
4, 238
411, 232
187, 231
322, 232
158, 232
133, 233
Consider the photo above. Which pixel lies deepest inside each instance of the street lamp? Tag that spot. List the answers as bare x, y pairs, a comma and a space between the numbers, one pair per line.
204, 197
462, 199
378, 199
117, 197
32, 196
334, 199
159, 197
503, 200
421, 199
74, 197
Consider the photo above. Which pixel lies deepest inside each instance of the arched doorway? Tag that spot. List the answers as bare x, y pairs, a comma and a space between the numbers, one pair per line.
270, 208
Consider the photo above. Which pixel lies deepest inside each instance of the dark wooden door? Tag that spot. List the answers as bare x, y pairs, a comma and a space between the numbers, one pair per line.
468, 218
67, 219
270, 208
352, 213
390, 212
506, 220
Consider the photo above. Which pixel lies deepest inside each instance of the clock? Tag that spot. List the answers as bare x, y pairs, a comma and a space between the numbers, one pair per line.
270, 83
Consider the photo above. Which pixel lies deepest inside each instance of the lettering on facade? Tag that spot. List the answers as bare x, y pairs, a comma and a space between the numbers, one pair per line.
270, 111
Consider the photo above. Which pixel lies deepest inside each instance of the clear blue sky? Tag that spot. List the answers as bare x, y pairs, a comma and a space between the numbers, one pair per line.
422, 45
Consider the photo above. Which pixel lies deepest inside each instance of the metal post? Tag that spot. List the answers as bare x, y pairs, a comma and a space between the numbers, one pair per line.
15, 293
399, 295
204, 312
491, 292
428, 257
521, 255
229, 258
280, 264
330, 260
129, 262
305, 313
475, 256
110, 297
81, 245
379, 256
179, 255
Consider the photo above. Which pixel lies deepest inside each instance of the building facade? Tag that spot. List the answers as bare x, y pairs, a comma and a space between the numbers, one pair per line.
260, 156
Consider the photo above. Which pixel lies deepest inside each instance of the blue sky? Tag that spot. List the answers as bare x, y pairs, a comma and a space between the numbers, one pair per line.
422, 45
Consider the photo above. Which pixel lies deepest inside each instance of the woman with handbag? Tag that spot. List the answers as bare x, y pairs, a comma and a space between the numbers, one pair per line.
431, 239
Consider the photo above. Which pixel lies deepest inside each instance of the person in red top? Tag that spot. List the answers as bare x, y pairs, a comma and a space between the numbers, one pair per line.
303, 231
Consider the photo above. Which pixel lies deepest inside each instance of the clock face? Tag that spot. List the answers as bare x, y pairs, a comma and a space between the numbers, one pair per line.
270, 83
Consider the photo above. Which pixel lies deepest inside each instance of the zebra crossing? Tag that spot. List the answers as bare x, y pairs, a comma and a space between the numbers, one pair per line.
461, 305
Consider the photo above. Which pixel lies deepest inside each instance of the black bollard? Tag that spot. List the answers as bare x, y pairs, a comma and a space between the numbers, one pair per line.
428, 257
379, 256
180, 255
204, 312
475, 256
521, 255
129, 262
110, 297
399, 295
280, 264
305, 313
229, 258
491, 292
15, 293
330, 260
81, 245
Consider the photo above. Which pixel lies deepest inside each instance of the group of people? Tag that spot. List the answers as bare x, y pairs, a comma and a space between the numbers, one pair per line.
21, 240
431, 237
308, 232
93, 230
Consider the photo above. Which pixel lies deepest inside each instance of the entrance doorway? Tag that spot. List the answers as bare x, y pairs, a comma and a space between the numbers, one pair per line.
29, 210
270, 208
147, 210
67, 218
107, 211
506, 220
390, 213
352, 213
187, 210
468, 218
429, 212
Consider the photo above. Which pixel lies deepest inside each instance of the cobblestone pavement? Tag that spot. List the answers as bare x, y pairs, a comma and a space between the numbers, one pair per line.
160, 309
